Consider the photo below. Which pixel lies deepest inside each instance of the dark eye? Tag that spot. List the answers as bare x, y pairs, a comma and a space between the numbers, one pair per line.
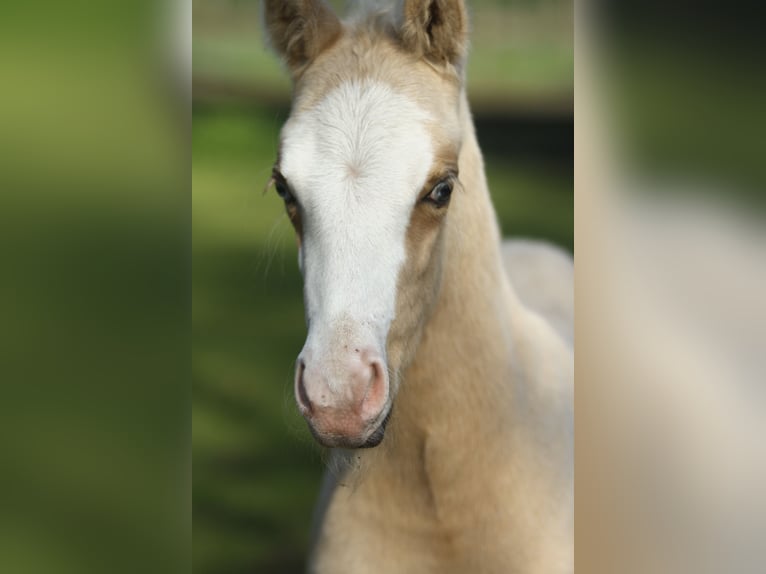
283, 190
440, 194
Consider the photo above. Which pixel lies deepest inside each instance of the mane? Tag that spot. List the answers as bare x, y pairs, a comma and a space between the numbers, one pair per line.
376, 15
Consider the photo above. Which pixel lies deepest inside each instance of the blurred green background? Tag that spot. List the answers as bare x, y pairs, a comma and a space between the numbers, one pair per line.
256, 468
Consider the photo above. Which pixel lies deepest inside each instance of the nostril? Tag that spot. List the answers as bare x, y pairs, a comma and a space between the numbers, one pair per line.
303, 398
377, 390
376, 372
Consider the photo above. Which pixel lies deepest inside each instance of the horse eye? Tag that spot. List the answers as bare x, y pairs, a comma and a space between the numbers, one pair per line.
440, 194
283, 191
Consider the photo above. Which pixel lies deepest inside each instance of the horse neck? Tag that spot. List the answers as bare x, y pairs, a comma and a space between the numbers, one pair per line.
473, 264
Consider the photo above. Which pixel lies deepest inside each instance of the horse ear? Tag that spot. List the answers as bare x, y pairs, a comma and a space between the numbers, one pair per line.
299, 30
435, 29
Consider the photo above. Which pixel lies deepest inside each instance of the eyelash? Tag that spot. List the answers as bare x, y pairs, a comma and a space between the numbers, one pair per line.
282, 189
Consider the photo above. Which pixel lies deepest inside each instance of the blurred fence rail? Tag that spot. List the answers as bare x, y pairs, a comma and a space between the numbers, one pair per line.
521, 59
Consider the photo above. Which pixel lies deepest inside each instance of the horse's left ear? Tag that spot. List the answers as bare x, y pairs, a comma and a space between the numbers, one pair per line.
435, 29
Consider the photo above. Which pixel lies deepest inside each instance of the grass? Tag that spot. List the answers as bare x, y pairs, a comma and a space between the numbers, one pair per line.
256, 469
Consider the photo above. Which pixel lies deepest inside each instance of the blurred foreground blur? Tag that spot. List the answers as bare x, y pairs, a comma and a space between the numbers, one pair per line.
94, 296
670, 283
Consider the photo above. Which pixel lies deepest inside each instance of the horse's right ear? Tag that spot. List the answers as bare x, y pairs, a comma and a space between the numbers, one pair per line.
299, 30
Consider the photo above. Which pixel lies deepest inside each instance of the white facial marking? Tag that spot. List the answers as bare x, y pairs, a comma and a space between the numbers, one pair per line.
356, 163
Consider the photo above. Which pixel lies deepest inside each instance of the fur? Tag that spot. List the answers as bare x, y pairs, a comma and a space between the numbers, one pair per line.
300, 30
475, 472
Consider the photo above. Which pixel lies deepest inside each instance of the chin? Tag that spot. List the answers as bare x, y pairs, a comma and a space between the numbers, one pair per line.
370, 440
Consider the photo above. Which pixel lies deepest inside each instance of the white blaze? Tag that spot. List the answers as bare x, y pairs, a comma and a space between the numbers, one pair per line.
356, 162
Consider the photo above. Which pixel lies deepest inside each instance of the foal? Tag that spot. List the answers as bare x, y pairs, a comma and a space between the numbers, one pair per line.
417, 343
